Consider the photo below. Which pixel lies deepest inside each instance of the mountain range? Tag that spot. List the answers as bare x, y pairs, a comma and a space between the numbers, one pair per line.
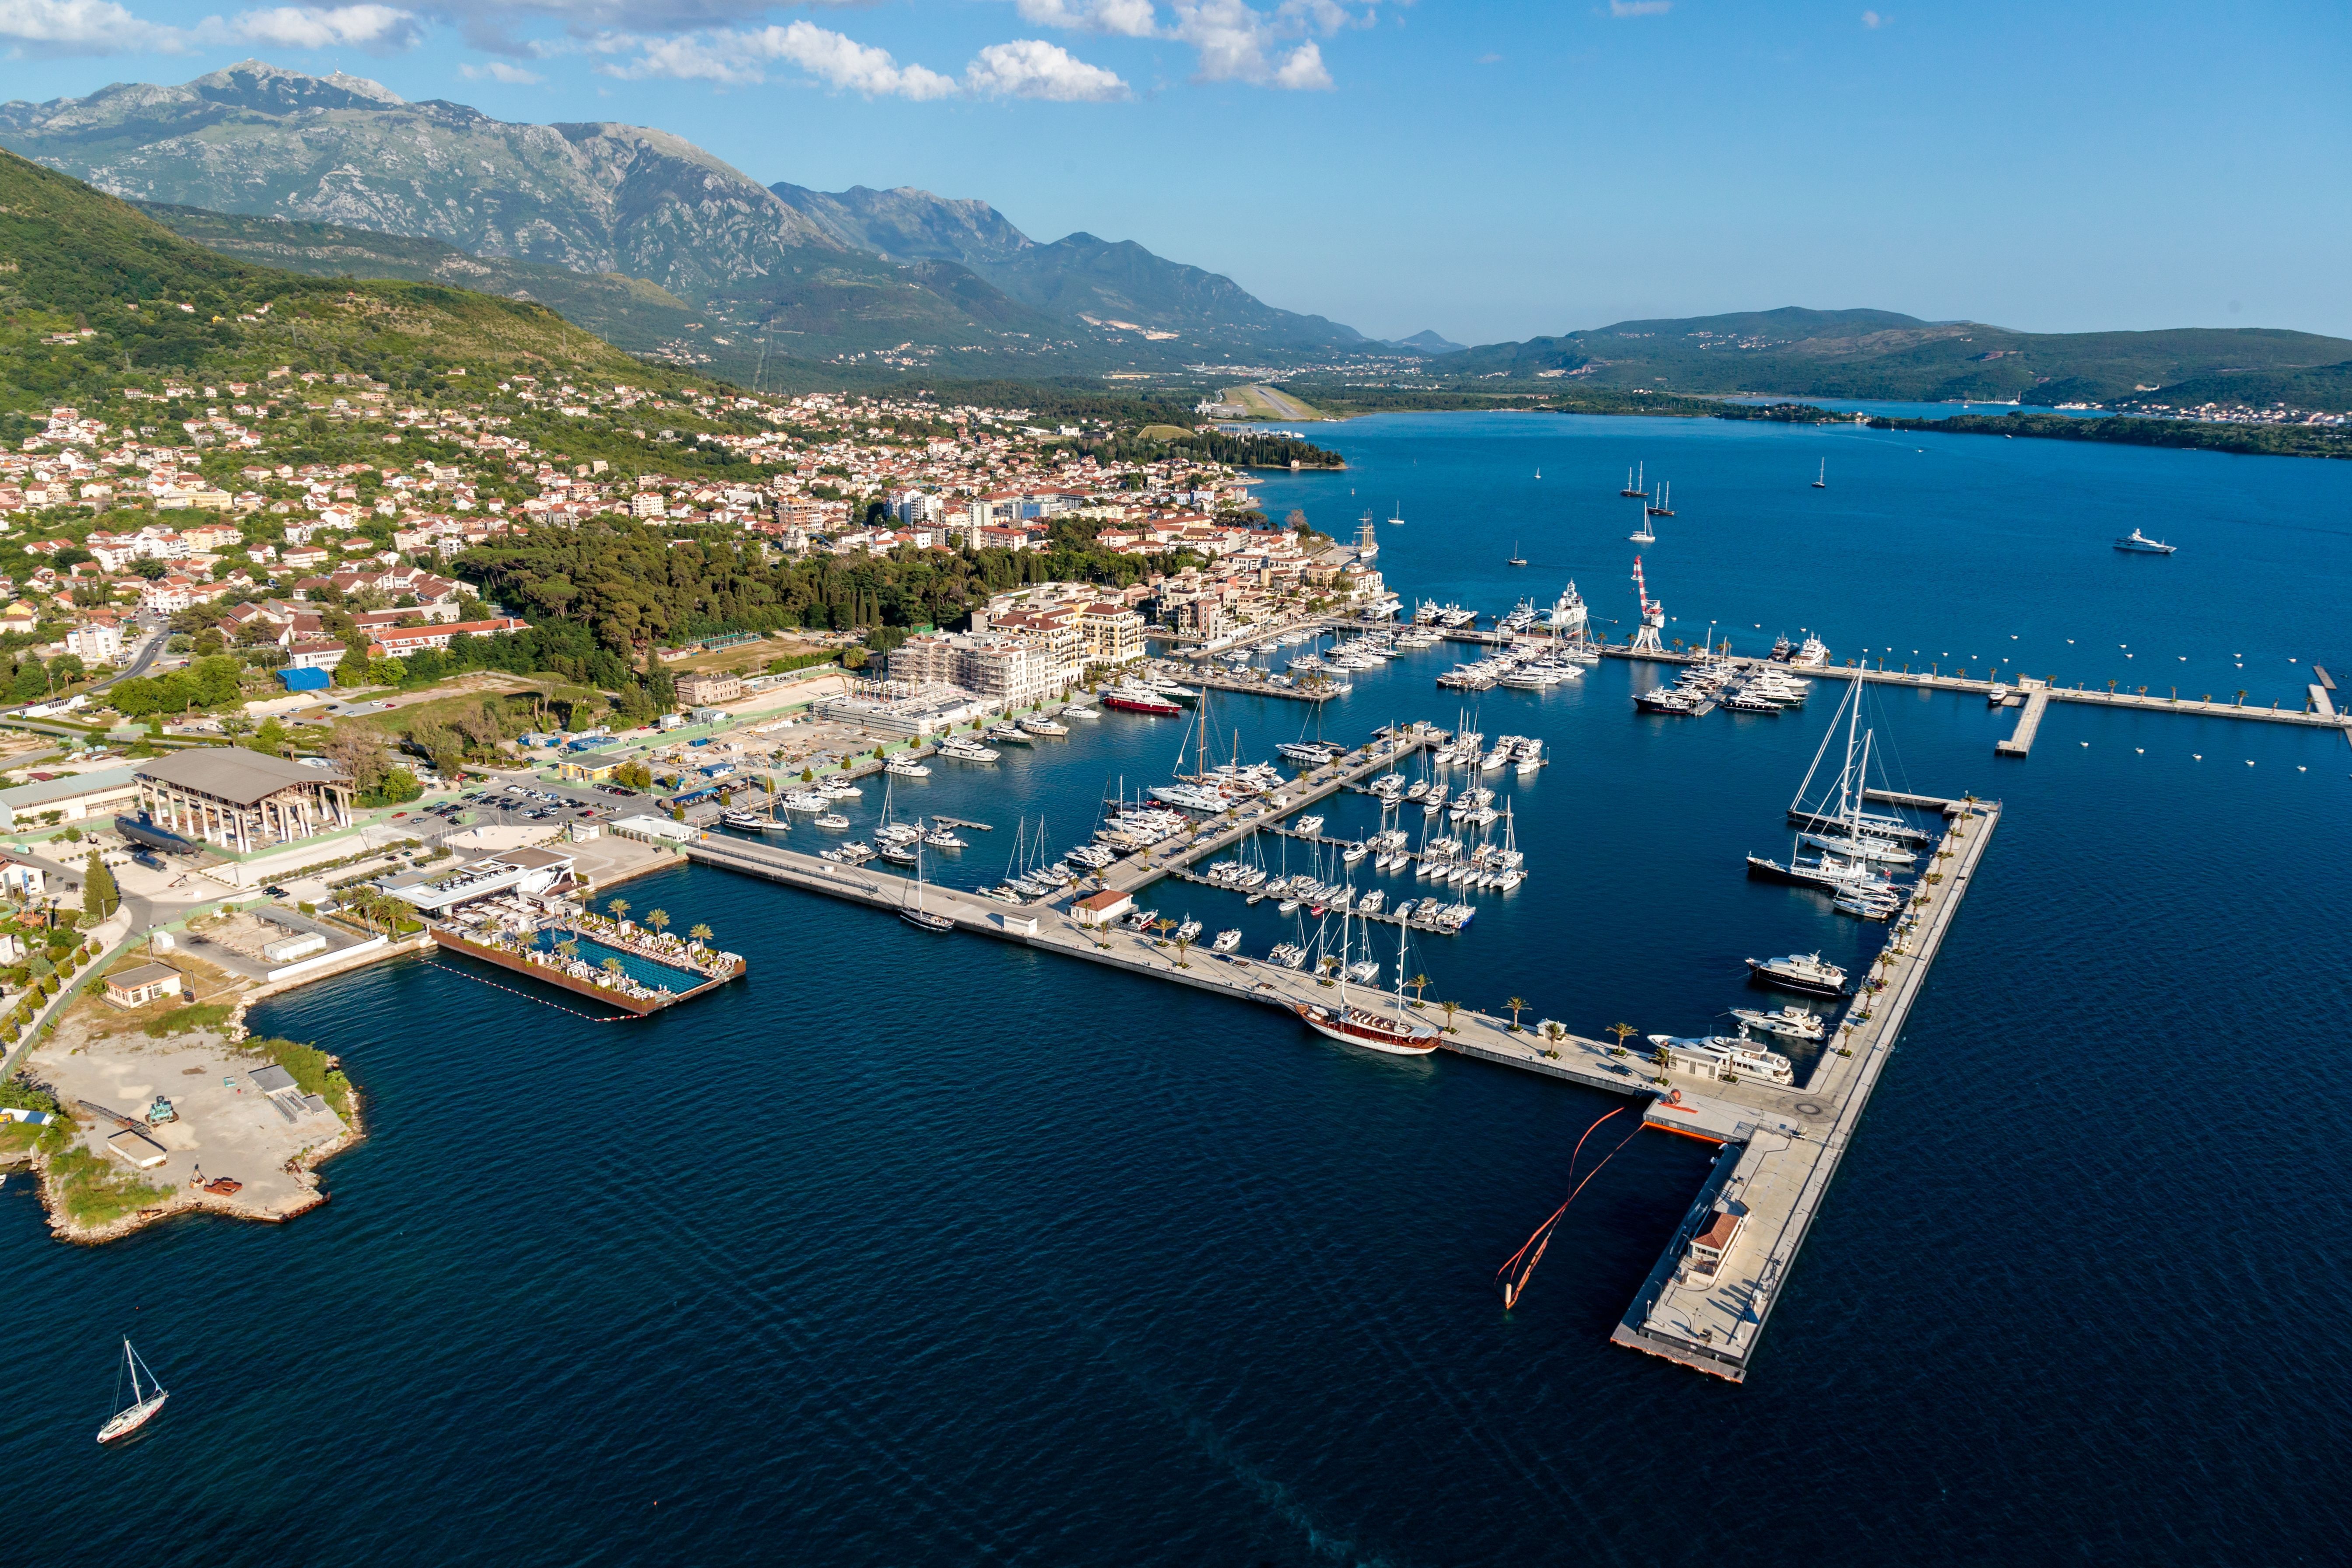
902, 276
649, 241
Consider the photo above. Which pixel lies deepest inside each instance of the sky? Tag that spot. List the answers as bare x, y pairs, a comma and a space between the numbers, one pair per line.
1493, 170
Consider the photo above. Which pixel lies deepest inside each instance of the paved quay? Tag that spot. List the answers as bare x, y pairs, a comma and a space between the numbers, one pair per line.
1711, 1320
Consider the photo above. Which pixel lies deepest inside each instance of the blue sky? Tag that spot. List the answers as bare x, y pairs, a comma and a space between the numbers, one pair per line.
1493, 170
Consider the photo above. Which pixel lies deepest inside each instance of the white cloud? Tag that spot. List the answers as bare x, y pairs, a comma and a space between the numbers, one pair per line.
739, 59
1031, 67
1238, 43
1126, 18
377, 29
1303, 70
1640, 8
842, 62
499, 71
1872, 20
82, 27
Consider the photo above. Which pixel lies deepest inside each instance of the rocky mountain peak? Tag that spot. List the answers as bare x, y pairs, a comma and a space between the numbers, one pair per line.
266, 88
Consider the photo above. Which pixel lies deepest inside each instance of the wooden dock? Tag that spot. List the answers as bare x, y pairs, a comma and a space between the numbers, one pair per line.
1139, 870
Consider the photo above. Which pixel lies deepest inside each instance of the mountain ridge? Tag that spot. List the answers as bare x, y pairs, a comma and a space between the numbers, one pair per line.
1077, 277
1884, 354
903, 274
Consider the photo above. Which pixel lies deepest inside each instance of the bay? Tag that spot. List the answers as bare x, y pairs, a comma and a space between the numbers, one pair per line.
910, 1250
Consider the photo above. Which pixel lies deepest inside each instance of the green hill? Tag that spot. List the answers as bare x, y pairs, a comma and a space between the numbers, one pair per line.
93, 288
2325, 389
1882, 354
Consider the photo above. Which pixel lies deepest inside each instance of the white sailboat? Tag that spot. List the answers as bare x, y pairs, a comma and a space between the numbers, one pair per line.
1642, 534
143, 1406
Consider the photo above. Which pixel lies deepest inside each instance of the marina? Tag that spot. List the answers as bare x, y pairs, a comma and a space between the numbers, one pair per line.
1702, 1309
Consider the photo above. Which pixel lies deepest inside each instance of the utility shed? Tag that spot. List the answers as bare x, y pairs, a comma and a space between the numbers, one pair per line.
143, 1151
137, 987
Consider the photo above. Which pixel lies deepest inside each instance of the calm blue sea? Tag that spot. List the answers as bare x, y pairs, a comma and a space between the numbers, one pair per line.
910, 1250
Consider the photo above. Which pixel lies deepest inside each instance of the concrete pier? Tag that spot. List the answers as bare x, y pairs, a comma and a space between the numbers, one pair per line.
1926, 681
1709, 1314
1782, 1143
2020, 741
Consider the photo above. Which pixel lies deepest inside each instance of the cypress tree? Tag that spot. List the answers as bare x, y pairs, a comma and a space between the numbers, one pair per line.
99, 897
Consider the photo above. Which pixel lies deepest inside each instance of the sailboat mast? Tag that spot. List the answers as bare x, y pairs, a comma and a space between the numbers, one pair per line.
1861, 783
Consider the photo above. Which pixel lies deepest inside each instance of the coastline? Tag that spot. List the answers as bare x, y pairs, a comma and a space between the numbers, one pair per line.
2041, 425
190, 1198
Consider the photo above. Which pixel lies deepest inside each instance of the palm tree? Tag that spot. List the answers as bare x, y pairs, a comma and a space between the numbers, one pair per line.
612, 966
1555, 1032
1662, 1057
1517, 1005
1622, 1032
1450, 1008
699, 931
1163, 925
1420, 983
620, 908
658, 919
1182, 943
569, 948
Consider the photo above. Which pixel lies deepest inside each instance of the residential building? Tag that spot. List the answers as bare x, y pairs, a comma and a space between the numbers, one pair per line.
1113, 633
696, 691
399, 641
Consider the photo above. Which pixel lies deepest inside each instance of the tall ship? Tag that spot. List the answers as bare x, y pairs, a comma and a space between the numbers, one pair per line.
1396, 1035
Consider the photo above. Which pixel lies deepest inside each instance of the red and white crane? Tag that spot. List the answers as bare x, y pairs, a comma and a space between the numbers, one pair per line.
1653, 614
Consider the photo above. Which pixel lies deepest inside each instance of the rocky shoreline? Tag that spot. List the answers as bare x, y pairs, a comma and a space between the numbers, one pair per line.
191, 1198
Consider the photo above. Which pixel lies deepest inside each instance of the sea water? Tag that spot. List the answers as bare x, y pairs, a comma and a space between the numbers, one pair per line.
918, 1249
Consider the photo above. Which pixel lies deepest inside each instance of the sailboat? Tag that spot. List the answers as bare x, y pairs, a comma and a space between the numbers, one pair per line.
1398, 521
1396, 1037
914, 914
1540, 473
1662, 507
1516, 559
1642, 534
143, 1406
1821, 481
1635, 486
1846, 809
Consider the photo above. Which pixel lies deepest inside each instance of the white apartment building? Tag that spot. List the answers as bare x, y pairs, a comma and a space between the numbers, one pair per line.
1004, 669
96, 643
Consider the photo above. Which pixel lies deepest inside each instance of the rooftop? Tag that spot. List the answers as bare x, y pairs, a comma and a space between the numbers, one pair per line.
233, 774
